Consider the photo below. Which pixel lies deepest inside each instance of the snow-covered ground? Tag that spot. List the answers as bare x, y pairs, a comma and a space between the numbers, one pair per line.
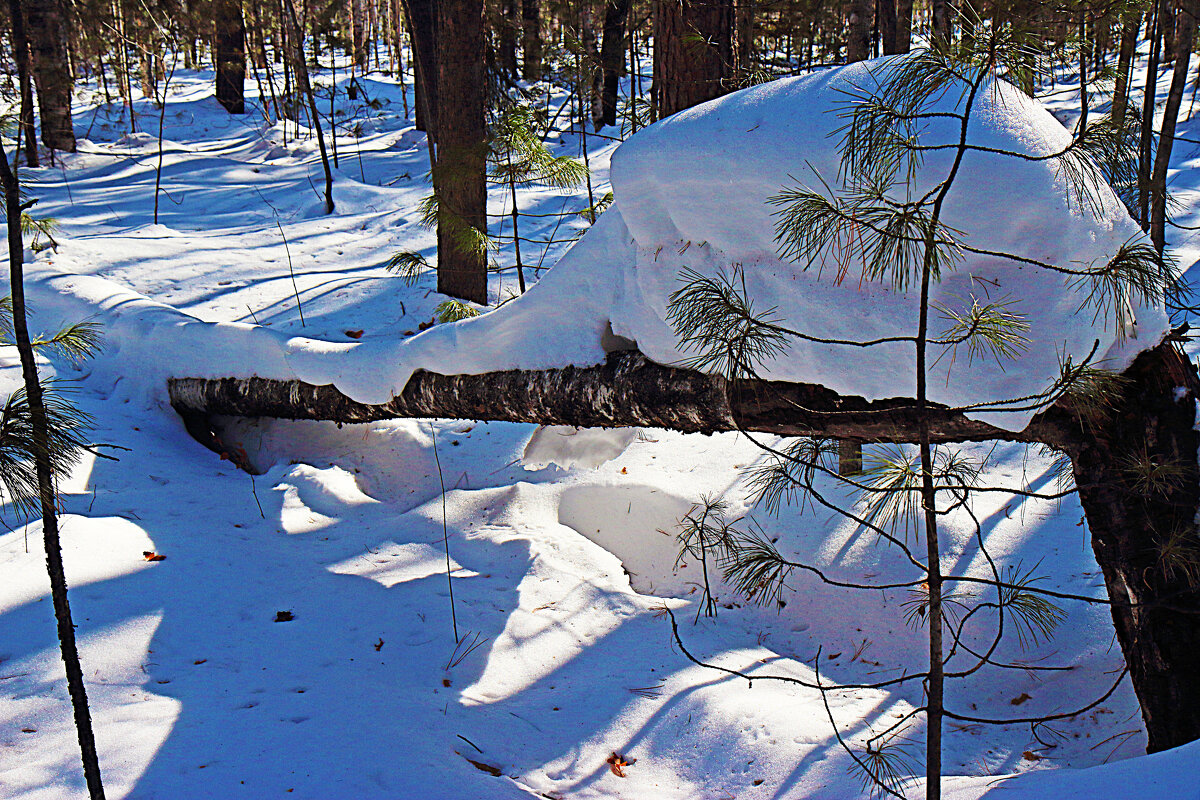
559, 575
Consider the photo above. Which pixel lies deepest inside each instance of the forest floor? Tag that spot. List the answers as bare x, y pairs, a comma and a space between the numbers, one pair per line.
561, 577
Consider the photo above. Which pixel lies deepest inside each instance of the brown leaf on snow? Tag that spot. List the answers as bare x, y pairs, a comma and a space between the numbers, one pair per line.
1021, 698
616, 762
284, 616
354, 334
150, 555
1029, 755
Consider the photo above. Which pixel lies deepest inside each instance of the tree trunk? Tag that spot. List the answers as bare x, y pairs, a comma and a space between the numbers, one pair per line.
48, 30
693, 52
531, 40
422, 28
460, 174
506, 38
45, 481
888, 30
1129, 32
1146, 543
20, 44
904, 12
230, 55
296, 49
859, 15
1158, 180
358, 35
612, 59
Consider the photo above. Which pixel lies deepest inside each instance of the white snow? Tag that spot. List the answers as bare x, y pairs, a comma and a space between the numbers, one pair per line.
560, 575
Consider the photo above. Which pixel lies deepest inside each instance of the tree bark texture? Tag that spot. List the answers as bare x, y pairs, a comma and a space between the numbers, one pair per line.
422, 27
694, 56
531, 39
48, 28
1185, 32
230, 55
20, 46
1143, 530
859, 19
460, 175
612, 59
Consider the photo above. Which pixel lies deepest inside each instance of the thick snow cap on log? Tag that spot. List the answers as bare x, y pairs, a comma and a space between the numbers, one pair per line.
693, 192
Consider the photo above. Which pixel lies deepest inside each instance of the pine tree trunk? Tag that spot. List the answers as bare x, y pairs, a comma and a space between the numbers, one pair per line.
859, 14
460, 178
422, 26
904, 13
1129, 32
612, 59
1146, 541
25, 122
1185, 32
229, 53
531, 39
45, 481
48, 30
506, 47
693, 52
888, 32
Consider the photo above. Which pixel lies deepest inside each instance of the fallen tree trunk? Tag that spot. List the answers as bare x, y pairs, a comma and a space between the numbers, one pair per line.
628, 390
1136, 466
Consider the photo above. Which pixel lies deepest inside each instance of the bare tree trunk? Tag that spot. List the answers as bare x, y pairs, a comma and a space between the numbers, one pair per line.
357, 34
45, 481
693, 52
859, 15
904, 12
531, 39
21, 55
506, 44
888, 30
48, 31
460, 175
1129, 32
1185, 32
296, 48
422, 26
229, 53
612, 59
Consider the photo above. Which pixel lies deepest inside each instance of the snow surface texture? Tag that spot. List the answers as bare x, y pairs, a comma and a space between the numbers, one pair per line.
691, 193
196, 692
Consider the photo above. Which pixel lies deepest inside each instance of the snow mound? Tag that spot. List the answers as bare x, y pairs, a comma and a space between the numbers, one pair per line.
692, 193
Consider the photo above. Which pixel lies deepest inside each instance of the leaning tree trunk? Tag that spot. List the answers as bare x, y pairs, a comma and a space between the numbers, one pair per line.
1137, 471
612, 59
460, 174
694, 56
48, 30
296, 51
230, 55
